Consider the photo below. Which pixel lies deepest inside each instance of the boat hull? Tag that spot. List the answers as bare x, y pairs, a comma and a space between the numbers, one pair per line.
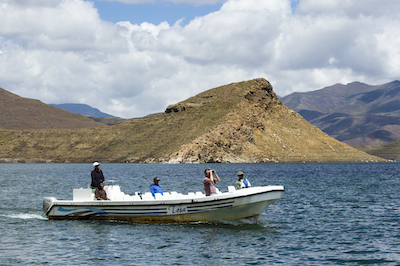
239, 204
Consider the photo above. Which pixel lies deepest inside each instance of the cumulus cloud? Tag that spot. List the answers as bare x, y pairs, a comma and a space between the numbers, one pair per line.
60, 51
192, 2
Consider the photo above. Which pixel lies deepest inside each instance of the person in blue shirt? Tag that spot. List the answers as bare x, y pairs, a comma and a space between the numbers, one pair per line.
155, 188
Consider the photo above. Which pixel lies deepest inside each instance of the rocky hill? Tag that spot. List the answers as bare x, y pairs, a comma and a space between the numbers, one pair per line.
22, 113
356, 113
388, 151
239, 122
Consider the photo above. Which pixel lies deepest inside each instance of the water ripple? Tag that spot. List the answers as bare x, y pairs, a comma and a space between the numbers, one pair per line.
330, 214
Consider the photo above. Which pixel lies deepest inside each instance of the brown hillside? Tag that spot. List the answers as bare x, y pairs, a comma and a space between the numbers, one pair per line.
22, 113
239, 122
388, 151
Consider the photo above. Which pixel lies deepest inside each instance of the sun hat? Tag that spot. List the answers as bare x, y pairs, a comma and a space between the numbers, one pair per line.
96, 164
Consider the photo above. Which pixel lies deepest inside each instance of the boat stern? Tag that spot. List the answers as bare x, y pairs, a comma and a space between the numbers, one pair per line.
47, 203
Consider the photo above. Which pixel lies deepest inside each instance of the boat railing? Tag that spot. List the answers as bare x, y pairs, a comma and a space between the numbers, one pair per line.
111, 182
114, 193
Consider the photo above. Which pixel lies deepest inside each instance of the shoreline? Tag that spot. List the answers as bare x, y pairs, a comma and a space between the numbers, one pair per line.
188, 161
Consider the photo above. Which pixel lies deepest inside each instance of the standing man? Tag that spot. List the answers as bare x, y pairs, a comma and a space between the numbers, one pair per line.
155, 188
209, 182
242, 183
97, 175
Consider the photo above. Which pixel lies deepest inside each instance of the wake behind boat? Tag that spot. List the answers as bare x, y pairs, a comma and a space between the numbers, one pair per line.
170, 207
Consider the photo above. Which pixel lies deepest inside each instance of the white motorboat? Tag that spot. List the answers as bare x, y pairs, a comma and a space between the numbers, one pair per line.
170, 207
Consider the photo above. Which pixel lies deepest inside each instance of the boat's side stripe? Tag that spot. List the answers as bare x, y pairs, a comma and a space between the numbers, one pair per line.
98, 212
215, 205
212, 203
134, 212
208, 209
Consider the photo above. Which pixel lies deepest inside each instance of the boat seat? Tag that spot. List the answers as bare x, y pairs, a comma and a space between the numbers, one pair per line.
231, 188
147, 196
166, 195
118, 197
114, 193
136, 197
199, 194
158, 196
82, 194
128, 197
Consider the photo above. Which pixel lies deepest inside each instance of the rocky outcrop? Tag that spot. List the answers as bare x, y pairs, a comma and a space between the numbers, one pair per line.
261, 129
181, 107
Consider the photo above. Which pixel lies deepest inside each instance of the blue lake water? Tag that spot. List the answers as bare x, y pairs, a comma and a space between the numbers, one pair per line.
330, 214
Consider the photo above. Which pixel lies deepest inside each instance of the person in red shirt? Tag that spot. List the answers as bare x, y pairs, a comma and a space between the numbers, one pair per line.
209, 182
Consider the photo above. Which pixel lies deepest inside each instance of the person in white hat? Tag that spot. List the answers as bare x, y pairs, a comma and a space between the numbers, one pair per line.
97, 176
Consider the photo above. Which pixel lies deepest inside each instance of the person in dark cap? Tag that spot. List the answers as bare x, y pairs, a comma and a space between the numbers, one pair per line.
242, 183
155, 188
97, 175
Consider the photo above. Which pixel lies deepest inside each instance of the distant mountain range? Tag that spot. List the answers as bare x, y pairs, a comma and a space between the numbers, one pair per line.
90, 112
356, 113
82, 109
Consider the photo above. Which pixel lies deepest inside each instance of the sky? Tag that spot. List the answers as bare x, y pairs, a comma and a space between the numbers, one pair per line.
131, 58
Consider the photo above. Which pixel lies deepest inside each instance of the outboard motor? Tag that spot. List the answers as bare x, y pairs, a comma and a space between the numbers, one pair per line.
47, 203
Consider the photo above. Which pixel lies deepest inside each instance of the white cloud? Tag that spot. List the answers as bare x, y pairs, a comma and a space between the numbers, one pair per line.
61, 51
193, 2
350, 8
